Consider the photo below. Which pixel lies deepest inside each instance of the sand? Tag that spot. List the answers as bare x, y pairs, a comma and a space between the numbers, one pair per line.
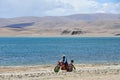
8, 32
45, 72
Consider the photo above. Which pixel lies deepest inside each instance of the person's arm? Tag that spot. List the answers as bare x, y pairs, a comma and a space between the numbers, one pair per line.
73, 66
60, 60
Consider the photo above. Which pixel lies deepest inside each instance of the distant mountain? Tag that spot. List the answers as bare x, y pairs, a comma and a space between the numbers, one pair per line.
93, 17
79, 24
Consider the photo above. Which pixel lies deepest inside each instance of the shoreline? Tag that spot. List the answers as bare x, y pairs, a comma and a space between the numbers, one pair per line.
46, 72
59, 37
34, 65
99, 63
55, 36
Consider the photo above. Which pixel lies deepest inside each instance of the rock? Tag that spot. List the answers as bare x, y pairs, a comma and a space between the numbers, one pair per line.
66, 32
76, 32
117, 34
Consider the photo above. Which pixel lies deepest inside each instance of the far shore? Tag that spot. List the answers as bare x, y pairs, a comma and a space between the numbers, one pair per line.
50, 36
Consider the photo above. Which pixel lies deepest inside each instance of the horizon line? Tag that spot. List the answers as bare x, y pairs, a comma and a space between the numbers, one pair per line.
59, 16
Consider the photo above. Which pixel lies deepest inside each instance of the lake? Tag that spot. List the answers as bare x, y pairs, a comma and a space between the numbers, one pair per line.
48, 50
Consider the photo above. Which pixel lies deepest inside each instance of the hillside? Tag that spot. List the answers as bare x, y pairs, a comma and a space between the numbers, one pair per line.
72, 25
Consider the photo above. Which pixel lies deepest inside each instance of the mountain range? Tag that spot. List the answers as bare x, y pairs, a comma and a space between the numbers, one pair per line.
98, 24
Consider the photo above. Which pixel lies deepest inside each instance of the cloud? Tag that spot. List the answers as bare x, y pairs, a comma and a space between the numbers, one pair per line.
26, 7
107, 7
17, 8
106, 1
85, 6
92, 6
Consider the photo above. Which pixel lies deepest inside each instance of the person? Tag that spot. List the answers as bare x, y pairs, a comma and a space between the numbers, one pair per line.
63, 63
71, 66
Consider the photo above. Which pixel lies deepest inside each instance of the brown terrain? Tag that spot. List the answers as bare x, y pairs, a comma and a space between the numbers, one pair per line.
73, 25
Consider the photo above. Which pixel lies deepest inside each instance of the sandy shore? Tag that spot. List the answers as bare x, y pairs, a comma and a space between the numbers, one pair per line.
45, 72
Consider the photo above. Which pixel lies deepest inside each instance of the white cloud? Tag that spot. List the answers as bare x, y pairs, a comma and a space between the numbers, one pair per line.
14, 8
84, 6
109, 8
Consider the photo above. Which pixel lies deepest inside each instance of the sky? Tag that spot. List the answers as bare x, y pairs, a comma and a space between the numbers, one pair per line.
20, 8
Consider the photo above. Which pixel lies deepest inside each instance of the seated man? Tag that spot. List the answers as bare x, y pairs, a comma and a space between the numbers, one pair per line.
70, 66
63, 63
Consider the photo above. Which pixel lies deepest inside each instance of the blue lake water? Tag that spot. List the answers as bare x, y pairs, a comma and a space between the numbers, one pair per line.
35, 51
